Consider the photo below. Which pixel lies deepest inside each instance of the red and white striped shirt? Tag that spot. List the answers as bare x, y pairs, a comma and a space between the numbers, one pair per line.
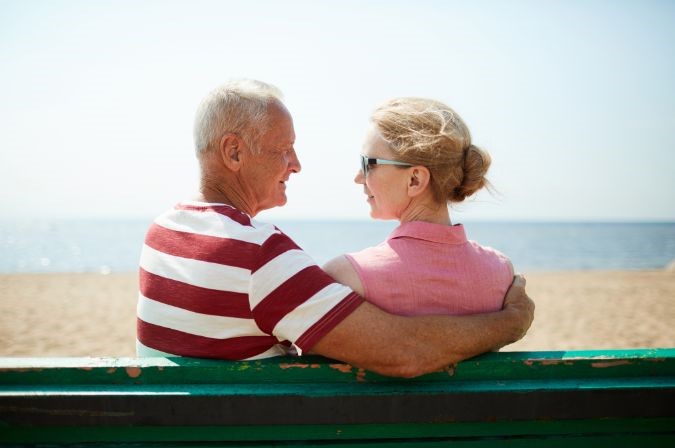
215, 283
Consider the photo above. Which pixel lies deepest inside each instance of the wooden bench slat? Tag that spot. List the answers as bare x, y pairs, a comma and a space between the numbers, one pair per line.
589, 397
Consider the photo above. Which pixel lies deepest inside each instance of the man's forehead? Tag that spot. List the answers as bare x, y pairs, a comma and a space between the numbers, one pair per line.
280, 124
277, 109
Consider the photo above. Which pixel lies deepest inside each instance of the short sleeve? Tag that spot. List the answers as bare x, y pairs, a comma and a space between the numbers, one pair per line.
294, 299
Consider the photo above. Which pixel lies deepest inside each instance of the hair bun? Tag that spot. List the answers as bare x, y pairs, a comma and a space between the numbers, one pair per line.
475, 165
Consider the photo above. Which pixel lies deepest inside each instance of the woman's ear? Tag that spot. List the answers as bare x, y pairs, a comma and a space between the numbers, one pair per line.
418, 180
230, 149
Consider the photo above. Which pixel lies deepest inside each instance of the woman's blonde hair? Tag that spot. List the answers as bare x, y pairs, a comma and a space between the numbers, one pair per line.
429, 133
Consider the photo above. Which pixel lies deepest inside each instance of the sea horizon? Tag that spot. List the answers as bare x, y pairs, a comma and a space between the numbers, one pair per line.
106, 245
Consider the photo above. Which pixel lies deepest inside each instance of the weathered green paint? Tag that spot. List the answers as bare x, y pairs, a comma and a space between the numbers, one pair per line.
491, 366
628, 372
337, 389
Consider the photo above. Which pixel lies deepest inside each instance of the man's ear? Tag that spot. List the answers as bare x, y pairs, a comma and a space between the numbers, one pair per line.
230, 150
418, 180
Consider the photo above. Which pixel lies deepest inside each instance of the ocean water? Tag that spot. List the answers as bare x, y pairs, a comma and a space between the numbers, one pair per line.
106, 246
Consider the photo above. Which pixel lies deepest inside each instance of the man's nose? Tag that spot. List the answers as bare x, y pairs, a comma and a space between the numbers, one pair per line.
294, 162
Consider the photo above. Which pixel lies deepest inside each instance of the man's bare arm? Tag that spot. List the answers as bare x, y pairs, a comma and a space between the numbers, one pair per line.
410, 346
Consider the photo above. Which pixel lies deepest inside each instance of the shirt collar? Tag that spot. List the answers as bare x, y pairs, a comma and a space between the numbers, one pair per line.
427, 231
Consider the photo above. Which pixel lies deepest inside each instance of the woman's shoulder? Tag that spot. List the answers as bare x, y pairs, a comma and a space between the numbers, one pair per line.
378, 251
342, 270
337, 264
490, 254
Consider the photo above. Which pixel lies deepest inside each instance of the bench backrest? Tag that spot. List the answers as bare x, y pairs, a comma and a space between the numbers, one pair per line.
616, 398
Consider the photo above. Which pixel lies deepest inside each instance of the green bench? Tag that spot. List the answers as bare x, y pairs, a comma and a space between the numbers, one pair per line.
581, 398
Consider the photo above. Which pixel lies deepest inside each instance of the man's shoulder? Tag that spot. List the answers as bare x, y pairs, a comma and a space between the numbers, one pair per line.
216, 221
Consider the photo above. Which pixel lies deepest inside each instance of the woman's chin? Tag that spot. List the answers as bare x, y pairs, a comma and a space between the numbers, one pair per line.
375, 215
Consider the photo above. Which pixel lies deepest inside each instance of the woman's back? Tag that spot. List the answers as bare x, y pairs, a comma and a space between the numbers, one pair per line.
425, 268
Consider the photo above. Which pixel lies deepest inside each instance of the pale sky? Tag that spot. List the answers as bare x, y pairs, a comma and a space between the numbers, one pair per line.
574, 100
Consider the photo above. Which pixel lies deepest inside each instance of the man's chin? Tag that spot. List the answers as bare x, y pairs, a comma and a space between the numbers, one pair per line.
280, 202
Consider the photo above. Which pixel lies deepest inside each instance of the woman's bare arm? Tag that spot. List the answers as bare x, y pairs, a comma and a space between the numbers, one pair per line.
343, 272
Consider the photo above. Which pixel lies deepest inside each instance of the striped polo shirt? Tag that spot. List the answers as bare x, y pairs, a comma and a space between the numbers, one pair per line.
215, 283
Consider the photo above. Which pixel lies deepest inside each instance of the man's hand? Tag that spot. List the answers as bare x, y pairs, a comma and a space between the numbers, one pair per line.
520, 307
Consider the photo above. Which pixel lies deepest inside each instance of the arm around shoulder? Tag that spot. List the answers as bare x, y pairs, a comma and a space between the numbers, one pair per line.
375, 340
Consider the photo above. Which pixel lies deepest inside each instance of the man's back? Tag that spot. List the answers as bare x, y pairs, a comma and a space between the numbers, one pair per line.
216, 284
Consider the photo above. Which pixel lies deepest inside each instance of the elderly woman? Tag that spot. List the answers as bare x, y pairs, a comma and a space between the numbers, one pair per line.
418, 157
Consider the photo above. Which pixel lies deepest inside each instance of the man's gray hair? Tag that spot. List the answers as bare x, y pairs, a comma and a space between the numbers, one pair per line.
238, 107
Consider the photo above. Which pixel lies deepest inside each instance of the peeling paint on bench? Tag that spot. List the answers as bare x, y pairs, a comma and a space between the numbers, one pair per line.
586, 398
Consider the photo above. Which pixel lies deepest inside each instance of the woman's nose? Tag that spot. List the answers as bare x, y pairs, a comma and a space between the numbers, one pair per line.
359, 178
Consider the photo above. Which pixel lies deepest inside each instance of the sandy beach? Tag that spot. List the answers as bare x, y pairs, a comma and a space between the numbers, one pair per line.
94, 314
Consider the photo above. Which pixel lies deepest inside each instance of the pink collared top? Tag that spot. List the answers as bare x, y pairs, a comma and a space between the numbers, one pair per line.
425, 268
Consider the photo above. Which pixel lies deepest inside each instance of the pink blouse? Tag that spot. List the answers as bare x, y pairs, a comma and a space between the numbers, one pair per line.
425, 268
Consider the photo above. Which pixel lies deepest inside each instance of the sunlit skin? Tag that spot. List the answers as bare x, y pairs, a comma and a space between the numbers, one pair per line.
394, 192
269, 171
252, 181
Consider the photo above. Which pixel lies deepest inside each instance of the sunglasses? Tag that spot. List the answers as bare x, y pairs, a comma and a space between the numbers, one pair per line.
367, 161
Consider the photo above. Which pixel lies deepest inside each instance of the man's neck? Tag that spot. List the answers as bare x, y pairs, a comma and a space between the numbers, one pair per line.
219, 187
220, 194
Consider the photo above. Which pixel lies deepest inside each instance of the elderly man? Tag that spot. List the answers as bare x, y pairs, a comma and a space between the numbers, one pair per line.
216, 283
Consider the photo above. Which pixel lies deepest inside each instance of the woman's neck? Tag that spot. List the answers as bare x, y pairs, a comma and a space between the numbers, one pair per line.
431, 212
